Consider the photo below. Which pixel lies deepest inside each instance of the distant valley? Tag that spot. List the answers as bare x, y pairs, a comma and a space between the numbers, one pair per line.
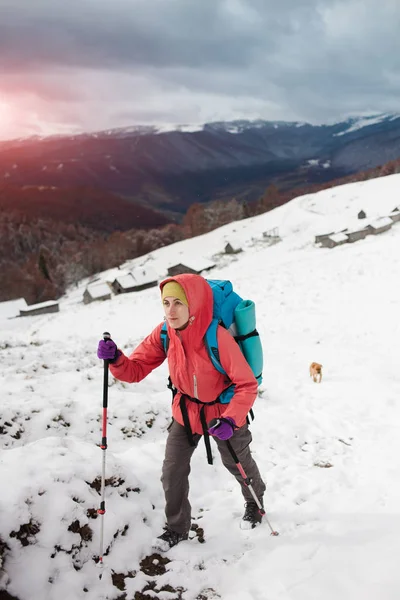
153, 177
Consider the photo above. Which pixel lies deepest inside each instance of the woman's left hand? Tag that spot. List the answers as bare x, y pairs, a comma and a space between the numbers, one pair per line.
222, 428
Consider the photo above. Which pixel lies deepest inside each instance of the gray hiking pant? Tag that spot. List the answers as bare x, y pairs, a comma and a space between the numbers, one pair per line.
176, 469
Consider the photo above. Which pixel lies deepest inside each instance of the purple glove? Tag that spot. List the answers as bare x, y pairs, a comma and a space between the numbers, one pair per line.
107, 350
222, 428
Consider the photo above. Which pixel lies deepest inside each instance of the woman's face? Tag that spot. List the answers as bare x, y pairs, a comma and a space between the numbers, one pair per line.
176, 313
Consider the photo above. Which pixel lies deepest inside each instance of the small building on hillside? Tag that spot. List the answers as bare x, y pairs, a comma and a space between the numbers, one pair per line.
232, 248
145, 277
333, 240
380, 225
358, 233
192, 265
319, 239
272, 236
10, 308
395, 215
96, 291
362, 214
123, 284
42, 308
139, 279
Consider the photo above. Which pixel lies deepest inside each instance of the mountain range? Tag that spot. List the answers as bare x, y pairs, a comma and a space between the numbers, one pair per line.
165, 171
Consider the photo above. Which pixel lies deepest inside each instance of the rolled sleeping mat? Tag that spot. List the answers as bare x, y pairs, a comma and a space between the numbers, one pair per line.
248, 338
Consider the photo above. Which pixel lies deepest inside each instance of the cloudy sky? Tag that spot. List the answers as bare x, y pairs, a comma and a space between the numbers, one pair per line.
96, 64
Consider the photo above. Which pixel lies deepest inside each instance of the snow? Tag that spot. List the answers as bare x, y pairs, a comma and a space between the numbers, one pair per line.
144, 275
126, 281
139, 276
381, 222
98, 290
330, 452
11, 308
146, 129
197, 263
338, 237
359, 123
46, 304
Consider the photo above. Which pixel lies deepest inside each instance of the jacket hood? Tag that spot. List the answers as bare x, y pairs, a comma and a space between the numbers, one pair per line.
200, 299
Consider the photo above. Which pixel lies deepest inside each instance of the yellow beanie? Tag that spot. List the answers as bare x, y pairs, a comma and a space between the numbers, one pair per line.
174, 289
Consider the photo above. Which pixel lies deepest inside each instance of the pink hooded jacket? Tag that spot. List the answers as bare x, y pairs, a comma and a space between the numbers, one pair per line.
190, 367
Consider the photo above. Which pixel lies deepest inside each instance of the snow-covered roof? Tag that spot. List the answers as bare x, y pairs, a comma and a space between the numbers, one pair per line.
11, 308
357, 228
381, 222
197, 264
126, 281
139, 276
41, 305
143, 275
338, 237
236, 245
98, 290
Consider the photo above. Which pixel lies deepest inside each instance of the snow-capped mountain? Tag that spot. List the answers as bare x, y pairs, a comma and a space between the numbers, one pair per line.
172, 169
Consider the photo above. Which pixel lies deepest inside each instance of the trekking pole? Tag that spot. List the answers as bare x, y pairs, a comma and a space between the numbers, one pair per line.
101, 511
247, 482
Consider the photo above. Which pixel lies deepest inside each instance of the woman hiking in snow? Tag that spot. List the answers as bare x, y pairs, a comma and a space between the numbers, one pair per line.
188, 307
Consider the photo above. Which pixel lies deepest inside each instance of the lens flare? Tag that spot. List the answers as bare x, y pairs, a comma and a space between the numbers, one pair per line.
7, 121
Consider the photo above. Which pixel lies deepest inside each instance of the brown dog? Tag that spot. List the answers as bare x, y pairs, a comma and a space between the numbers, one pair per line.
316, 372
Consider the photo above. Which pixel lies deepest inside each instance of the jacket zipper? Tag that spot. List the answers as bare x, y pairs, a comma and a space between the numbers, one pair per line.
195, 386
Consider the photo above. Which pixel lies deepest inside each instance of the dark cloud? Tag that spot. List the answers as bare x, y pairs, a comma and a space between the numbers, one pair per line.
124, 33
174, 60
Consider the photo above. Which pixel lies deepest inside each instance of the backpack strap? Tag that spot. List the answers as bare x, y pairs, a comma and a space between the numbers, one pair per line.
186, 421
164, 337
211, 343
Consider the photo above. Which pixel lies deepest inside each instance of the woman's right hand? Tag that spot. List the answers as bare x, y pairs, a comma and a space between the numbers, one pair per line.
107, 350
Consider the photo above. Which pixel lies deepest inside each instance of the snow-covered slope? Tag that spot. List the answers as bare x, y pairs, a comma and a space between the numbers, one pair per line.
360, 122
330, 453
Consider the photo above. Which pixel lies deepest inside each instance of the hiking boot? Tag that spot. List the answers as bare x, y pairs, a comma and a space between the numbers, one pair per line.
170, 538
252, 516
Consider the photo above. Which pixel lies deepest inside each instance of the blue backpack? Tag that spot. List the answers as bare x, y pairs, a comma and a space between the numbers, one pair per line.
239, 318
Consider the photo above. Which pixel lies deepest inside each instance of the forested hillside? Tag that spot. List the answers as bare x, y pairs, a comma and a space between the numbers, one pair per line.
41, 256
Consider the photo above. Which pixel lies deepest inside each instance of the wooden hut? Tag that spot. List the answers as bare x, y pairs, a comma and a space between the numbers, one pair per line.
395, 215
272, 235
362, 214
380, 225
96, 291
358, 233
40, 309
232, 248
139, 279
196, 266
319, 239
333, 240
